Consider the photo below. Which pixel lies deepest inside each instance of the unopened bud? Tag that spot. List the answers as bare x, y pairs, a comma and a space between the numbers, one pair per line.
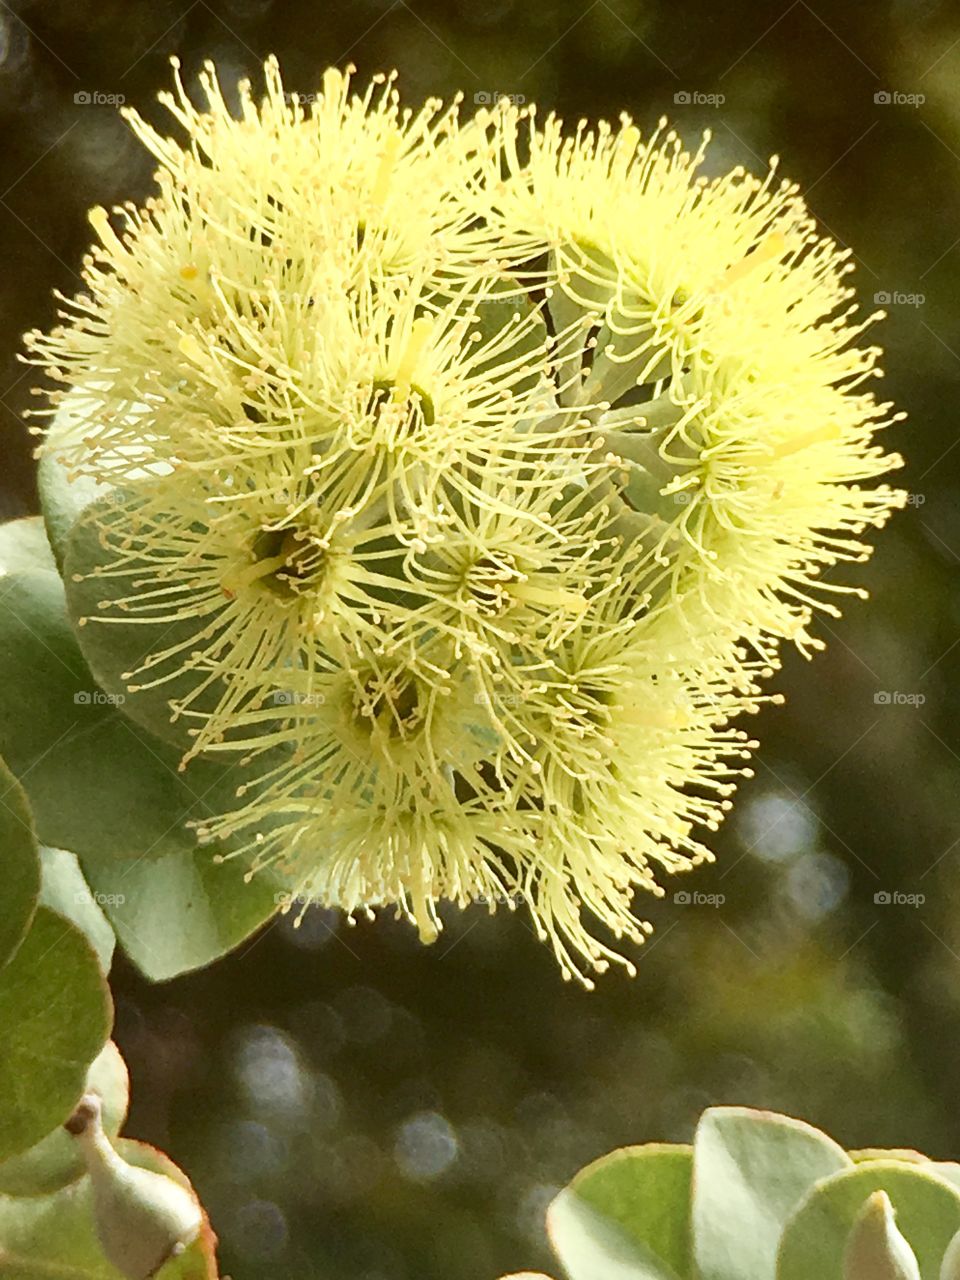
875, 1249
142, 1218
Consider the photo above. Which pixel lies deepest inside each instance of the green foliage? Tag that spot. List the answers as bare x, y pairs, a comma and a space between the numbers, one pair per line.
55, 1161
56, 1015
627, 1215
108, 797
55, 1235
760, 1197
19, 864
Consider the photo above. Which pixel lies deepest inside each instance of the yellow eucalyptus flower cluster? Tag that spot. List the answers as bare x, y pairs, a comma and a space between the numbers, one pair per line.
476, 470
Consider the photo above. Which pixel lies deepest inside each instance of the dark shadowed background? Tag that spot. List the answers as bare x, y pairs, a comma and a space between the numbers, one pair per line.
352, 1105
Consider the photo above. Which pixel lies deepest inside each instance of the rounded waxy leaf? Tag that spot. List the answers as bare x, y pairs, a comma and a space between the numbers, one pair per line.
97, 783
626, 1216
63, 496
815, 1238
24, 545
947, 1169
950, 1267
55, 1015
101, 787
55, 1161
181, 912
65, 890
751, 1170
19, 865
116, 648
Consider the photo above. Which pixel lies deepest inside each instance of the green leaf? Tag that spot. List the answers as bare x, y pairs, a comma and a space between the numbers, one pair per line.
102, 788
56, 1013
181, 912
65, 890
62, 498
947, 1169
24, 545
19, 865
55, 1160
98, 785
626, 1217
950, 1267
927, 1209
508, 309
115, 649
751, 1170
54, 1236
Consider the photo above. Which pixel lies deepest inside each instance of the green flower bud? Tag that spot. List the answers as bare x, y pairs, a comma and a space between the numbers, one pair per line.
875, 1249
142, 1218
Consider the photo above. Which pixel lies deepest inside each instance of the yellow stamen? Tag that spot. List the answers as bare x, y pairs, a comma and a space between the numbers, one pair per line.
816, 435
388, 162
572, 601
420, 332
773, 246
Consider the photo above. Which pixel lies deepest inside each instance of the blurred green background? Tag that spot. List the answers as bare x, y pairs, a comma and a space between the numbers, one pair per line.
352, 1105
